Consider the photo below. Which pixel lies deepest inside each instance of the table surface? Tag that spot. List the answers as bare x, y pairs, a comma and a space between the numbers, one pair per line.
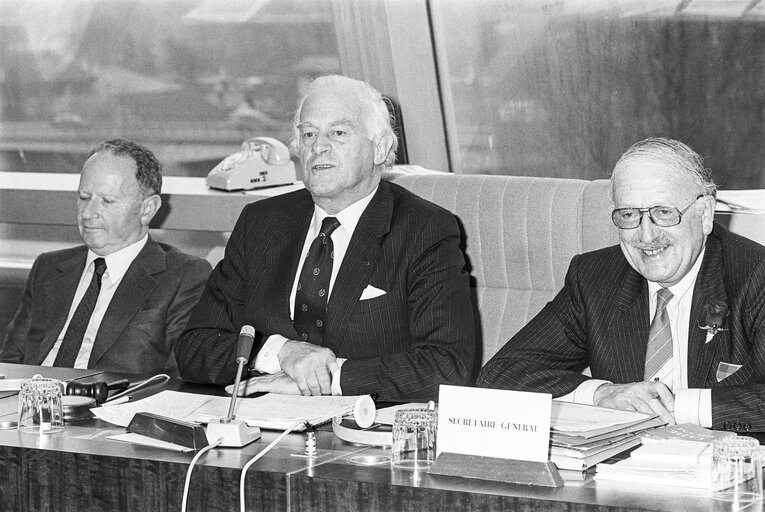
102, 474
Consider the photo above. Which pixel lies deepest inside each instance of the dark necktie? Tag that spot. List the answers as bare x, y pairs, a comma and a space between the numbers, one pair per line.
313, 285
70, 347
659, 348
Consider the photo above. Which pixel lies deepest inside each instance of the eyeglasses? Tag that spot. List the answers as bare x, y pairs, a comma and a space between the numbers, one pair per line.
664, 216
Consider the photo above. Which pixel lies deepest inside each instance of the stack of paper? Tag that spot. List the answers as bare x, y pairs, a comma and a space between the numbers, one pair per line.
278, 412
677, 455
583, 435
269, 411
673, 462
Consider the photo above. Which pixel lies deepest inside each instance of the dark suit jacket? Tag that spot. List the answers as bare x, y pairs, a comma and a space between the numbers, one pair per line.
400, 345
600, 319
141, 325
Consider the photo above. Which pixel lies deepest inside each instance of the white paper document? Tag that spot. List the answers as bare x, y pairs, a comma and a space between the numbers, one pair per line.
277, 412
270, 411
148, 441
172, 404
574, 418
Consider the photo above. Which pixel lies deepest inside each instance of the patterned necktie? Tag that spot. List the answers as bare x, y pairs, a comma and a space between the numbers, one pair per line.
659, 348
313, 285
70, 347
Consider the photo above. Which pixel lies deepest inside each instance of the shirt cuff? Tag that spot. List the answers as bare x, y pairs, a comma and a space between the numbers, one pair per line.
267, 360
694, 406
584, 392
336, 391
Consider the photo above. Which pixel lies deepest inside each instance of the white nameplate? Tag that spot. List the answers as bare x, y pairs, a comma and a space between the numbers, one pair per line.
494, 423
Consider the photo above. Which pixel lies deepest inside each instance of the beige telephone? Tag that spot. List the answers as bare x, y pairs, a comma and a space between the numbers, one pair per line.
262, 162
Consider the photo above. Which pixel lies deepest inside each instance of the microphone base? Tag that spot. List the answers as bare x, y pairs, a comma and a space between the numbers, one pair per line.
235, 433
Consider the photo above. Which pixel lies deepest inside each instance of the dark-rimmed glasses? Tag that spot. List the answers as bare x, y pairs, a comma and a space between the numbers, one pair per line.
664, 216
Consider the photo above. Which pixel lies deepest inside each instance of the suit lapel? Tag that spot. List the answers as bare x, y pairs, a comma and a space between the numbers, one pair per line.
135, 288
284, 252
361, 258
709, 287
628, 329
58, 294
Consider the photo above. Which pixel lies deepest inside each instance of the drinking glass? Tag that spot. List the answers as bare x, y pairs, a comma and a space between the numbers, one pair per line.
414, 438
40, 407
736, 469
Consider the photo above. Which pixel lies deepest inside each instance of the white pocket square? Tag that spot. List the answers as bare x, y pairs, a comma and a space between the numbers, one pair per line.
725, 370
370, 292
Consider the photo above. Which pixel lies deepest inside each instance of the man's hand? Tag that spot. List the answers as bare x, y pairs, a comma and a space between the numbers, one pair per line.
309, 365
648, 397
269, 383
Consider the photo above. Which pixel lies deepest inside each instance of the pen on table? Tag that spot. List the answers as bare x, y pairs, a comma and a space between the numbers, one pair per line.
117, 401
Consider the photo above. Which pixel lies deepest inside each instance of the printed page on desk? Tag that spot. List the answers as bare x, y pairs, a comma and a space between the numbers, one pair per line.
171, 404
269, 411
278, 412
589, 421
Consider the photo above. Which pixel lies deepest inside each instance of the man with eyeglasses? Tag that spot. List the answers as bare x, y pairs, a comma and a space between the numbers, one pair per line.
670, 322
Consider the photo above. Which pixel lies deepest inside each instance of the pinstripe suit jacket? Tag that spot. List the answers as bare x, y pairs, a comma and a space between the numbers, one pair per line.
401, 345
600, 319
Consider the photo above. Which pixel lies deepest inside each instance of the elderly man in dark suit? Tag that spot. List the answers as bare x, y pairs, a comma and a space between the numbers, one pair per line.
353, 285
120, 302
671, 322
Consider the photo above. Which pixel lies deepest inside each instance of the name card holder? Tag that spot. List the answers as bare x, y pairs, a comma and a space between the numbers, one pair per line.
543, 474
492, 434
171, 430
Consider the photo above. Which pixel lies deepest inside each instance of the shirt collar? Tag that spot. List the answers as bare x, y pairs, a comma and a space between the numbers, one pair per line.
118, 262
680, 289
348, 217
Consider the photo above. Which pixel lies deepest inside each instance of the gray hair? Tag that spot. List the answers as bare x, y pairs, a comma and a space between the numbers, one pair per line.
379, 122
676, 155
148, 169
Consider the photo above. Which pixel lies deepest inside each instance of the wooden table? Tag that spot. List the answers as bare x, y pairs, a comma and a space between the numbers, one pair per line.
80, 470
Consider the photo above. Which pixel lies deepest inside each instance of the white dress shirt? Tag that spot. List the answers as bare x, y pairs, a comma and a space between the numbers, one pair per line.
691, 405
117, 264
267, 360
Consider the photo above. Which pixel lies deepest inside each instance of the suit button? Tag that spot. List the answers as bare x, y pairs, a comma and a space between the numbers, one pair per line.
737, 426
747, 426
726, 425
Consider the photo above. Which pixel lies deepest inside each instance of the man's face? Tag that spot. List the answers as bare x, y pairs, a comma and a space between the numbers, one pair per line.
337, 157
661, 254
110, 212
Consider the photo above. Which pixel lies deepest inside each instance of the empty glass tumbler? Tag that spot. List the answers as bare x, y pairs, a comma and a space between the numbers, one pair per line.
40, 407
736, 469
414, 438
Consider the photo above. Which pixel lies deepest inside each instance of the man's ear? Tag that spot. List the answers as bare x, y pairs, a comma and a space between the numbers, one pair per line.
149, 208
382, 148
708, 213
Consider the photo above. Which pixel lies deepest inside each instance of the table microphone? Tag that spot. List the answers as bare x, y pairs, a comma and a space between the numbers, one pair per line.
235, 432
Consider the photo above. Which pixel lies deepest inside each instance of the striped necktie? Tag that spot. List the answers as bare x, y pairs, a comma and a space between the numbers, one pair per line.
659, 348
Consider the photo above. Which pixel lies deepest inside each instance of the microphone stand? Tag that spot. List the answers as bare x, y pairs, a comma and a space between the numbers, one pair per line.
232, 432
237, 381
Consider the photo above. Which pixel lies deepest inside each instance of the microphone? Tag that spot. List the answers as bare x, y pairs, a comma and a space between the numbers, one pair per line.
233, 432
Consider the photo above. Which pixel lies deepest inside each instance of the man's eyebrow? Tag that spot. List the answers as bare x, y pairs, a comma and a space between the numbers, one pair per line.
340, 122
343, 122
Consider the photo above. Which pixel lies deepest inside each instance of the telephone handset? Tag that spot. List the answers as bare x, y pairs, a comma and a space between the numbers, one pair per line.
262, 162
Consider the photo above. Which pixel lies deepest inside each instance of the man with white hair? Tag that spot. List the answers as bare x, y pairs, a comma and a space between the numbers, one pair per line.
671, 321
353, 285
